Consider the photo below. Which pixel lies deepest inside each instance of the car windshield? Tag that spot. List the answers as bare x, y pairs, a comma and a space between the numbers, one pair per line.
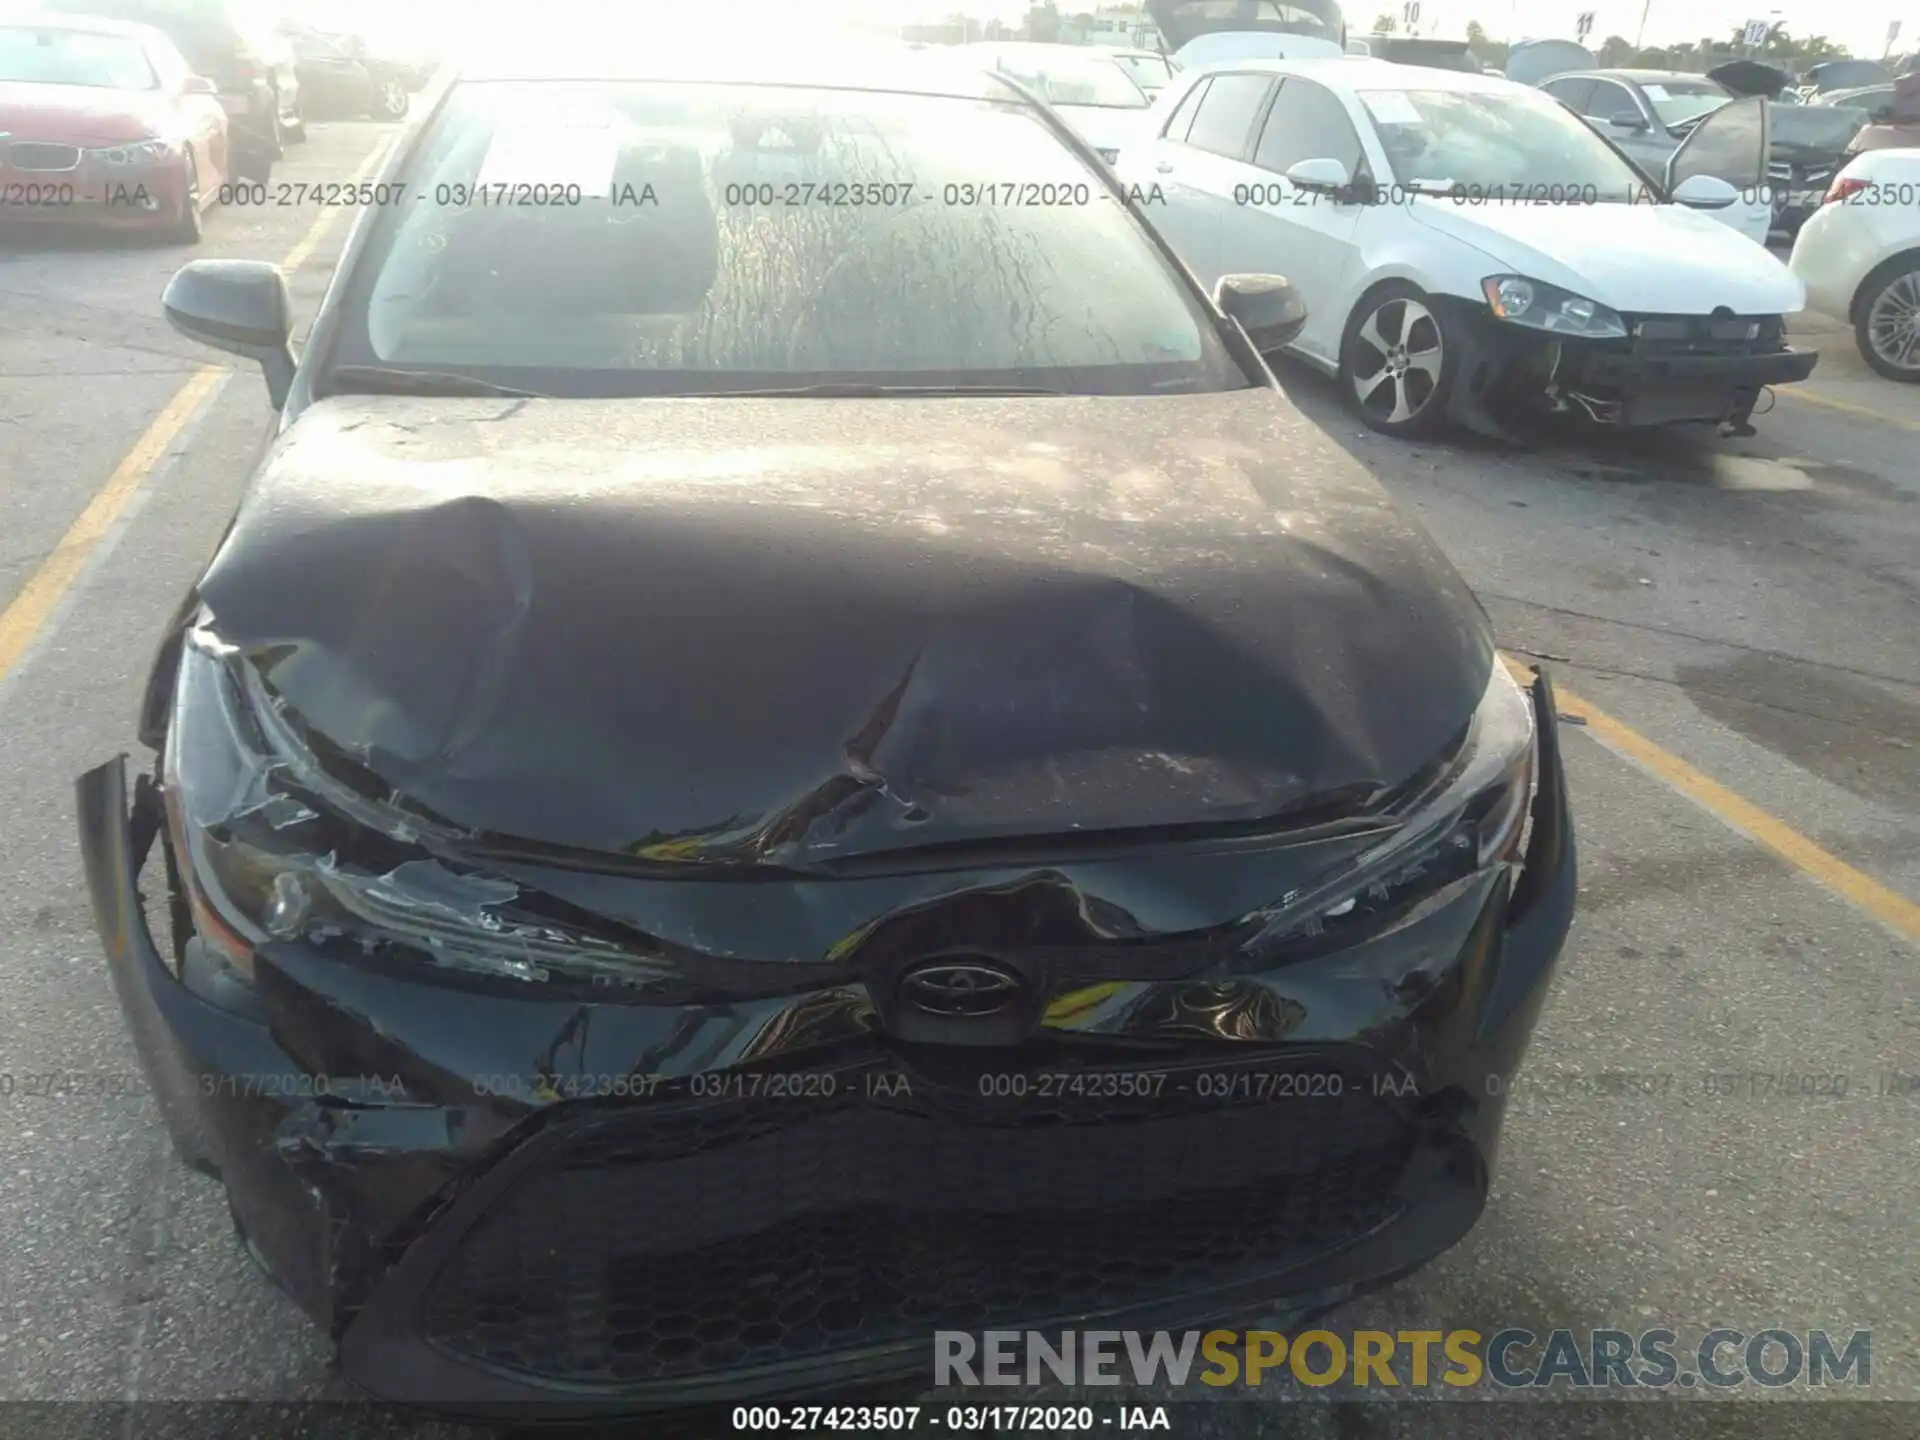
74, 57
600, 238
1074, 79
1497, 143
1678, 101
1147, 71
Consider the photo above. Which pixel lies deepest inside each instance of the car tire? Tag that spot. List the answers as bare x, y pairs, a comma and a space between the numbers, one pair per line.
187, 227
1886, 323
1397, 362
276, 133
393, 101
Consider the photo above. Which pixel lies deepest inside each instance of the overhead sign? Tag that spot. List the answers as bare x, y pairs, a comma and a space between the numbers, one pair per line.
1893, 32
1583, 27
1757, 32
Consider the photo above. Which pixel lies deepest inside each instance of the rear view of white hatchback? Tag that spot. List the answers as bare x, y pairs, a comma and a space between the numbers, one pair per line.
1859, 257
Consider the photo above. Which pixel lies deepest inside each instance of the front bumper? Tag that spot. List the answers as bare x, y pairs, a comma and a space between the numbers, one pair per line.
1628, 383
448, 1183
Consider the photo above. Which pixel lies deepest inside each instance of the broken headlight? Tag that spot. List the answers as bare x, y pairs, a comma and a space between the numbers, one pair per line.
1540, 306
269, 848
1470, 815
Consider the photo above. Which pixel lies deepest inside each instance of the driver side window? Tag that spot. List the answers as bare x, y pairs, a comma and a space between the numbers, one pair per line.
1307, 122
1608, 102
1573, 94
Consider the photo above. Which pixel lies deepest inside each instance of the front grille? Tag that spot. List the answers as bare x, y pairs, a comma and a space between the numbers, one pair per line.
1670, 336
37, 155
668, 1242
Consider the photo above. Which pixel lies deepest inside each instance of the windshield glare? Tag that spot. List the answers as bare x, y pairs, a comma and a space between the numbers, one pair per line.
73, 57
594, 238
1497, 143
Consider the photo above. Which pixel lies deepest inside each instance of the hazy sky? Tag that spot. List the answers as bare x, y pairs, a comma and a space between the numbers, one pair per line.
1858, 24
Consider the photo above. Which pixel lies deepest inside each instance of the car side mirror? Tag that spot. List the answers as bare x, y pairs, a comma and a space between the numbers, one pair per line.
240, 306
1884, 115
1705, 192
1629, 120
1267, 307
199, 85
1323, 177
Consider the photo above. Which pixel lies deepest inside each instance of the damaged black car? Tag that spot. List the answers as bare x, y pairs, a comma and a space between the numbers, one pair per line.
786, 752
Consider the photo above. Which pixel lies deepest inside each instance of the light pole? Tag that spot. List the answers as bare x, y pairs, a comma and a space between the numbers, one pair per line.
1641, 34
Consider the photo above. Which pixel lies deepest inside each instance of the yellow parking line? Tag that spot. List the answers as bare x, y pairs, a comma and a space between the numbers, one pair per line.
1808, 397
22, 620
317, 232
27, 614
1890, 908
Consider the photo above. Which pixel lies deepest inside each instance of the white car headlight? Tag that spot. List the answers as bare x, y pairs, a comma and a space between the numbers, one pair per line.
1540, 306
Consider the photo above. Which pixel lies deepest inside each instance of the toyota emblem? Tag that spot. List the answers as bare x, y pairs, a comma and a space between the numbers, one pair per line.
963, 988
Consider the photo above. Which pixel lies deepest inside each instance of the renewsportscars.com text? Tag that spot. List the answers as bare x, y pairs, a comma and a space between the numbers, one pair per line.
1721, 1358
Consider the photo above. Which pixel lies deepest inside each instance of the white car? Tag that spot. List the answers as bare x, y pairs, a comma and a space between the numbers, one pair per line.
1466, 248
1088, 88
1859, 257
1149, 69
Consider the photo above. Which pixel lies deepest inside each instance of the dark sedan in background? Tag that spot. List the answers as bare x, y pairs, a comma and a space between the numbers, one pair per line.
1807, 147
700, 833
343, 79
104, 123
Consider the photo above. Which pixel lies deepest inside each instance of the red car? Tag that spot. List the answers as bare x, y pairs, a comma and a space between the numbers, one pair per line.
105, 122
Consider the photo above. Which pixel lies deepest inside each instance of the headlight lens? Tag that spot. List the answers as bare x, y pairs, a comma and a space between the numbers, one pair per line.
137, 152
1540, 306
260, 863
1470, 816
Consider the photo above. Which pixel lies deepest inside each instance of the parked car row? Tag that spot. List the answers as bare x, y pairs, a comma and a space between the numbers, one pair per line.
138, 113
1335, 168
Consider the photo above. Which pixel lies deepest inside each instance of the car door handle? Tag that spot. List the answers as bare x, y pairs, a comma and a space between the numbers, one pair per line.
1165, 167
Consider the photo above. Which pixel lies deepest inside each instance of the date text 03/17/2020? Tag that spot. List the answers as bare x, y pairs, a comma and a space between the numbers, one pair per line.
954, 1419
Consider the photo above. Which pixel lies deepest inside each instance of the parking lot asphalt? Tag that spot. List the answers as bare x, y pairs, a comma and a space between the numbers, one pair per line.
1737, 622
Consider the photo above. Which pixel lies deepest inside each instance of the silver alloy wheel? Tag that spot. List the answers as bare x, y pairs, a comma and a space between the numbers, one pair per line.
1409, 361
393, 98
1893, 322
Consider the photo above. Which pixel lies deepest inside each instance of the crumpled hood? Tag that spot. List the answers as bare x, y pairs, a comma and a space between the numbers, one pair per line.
790, 631
1600, 251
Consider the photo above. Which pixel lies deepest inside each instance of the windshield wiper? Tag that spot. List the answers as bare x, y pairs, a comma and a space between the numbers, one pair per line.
847, 391
390, 380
